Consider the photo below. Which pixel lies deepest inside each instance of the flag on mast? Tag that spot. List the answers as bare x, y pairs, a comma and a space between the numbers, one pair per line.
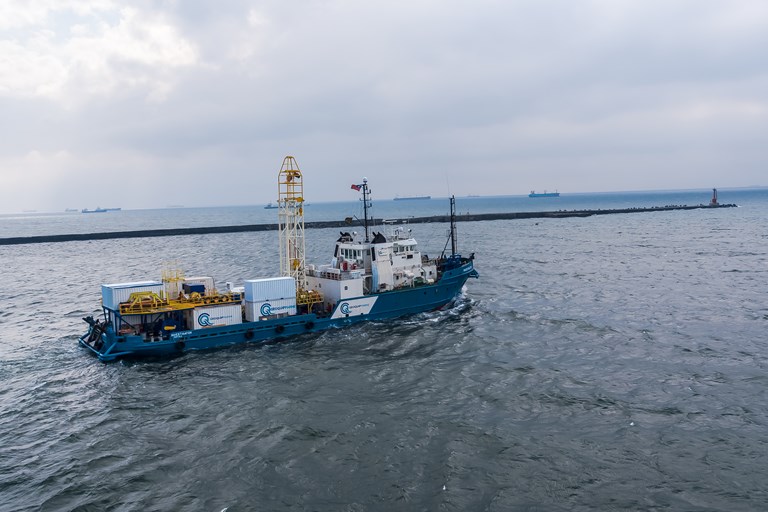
357, 187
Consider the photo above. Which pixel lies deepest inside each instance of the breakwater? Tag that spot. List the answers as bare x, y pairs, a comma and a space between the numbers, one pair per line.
147, 233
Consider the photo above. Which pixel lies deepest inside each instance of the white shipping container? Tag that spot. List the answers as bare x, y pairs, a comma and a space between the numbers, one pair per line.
273, 288
213, 316
203, 280
254, 311
113, 294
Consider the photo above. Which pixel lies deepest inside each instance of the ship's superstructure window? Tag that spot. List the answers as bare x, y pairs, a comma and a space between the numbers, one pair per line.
352, 254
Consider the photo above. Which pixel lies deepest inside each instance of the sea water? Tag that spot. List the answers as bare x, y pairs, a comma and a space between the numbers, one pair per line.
612, 362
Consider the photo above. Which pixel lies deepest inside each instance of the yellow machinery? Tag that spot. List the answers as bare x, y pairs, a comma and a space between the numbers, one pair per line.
142, 303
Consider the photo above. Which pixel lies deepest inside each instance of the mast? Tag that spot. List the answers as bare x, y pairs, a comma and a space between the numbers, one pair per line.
290, 186
366, 205
453, 225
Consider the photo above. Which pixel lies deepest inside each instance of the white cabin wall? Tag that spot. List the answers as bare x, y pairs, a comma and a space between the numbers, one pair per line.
430, 273
383, 280
351, 288
334, 290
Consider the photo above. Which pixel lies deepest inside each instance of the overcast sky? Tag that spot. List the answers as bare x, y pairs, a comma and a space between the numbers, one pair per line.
152, 103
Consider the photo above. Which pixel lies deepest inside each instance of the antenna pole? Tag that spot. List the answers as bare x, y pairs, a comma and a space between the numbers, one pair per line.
453, 226
366, 205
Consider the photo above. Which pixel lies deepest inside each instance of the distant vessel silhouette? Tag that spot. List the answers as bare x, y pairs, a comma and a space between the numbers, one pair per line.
99, 209
544, 194
411, 198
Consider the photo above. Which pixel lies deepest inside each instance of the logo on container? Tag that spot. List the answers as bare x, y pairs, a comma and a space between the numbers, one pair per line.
204, 320
344, 308
268, 309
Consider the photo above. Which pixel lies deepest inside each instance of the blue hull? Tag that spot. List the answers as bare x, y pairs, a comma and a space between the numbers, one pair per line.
108, 346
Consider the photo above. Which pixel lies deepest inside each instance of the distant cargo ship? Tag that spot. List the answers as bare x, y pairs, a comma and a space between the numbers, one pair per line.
99, 209
544, 194
411, 198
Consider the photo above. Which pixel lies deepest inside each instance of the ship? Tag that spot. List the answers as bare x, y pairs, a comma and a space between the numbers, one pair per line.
270, 206
543, 194
412, 198
371, 276
99, 209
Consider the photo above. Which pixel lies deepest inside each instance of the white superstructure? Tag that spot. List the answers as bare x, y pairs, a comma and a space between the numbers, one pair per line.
359, 268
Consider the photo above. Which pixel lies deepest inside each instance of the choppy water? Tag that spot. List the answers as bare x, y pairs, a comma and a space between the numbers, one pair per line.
603, 363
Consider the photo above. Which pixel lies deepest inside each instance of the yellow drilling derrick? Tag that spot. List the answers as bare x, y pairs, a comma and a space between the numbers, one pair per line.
290, 190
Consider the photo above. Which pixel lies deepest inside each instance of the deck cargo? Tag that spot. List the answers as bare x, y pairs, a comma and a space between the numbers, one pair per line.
189, 289
113, 294
262, 310
213, 316
197, 281
272, 288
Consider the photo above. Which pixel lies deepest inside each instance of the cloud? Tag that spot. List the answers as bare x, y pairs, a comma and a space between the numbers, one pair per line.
578, 96
69, 52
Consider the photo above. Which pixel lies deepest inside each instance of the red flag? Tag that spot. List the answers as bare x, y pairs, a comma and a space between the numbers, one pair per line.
356, 187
